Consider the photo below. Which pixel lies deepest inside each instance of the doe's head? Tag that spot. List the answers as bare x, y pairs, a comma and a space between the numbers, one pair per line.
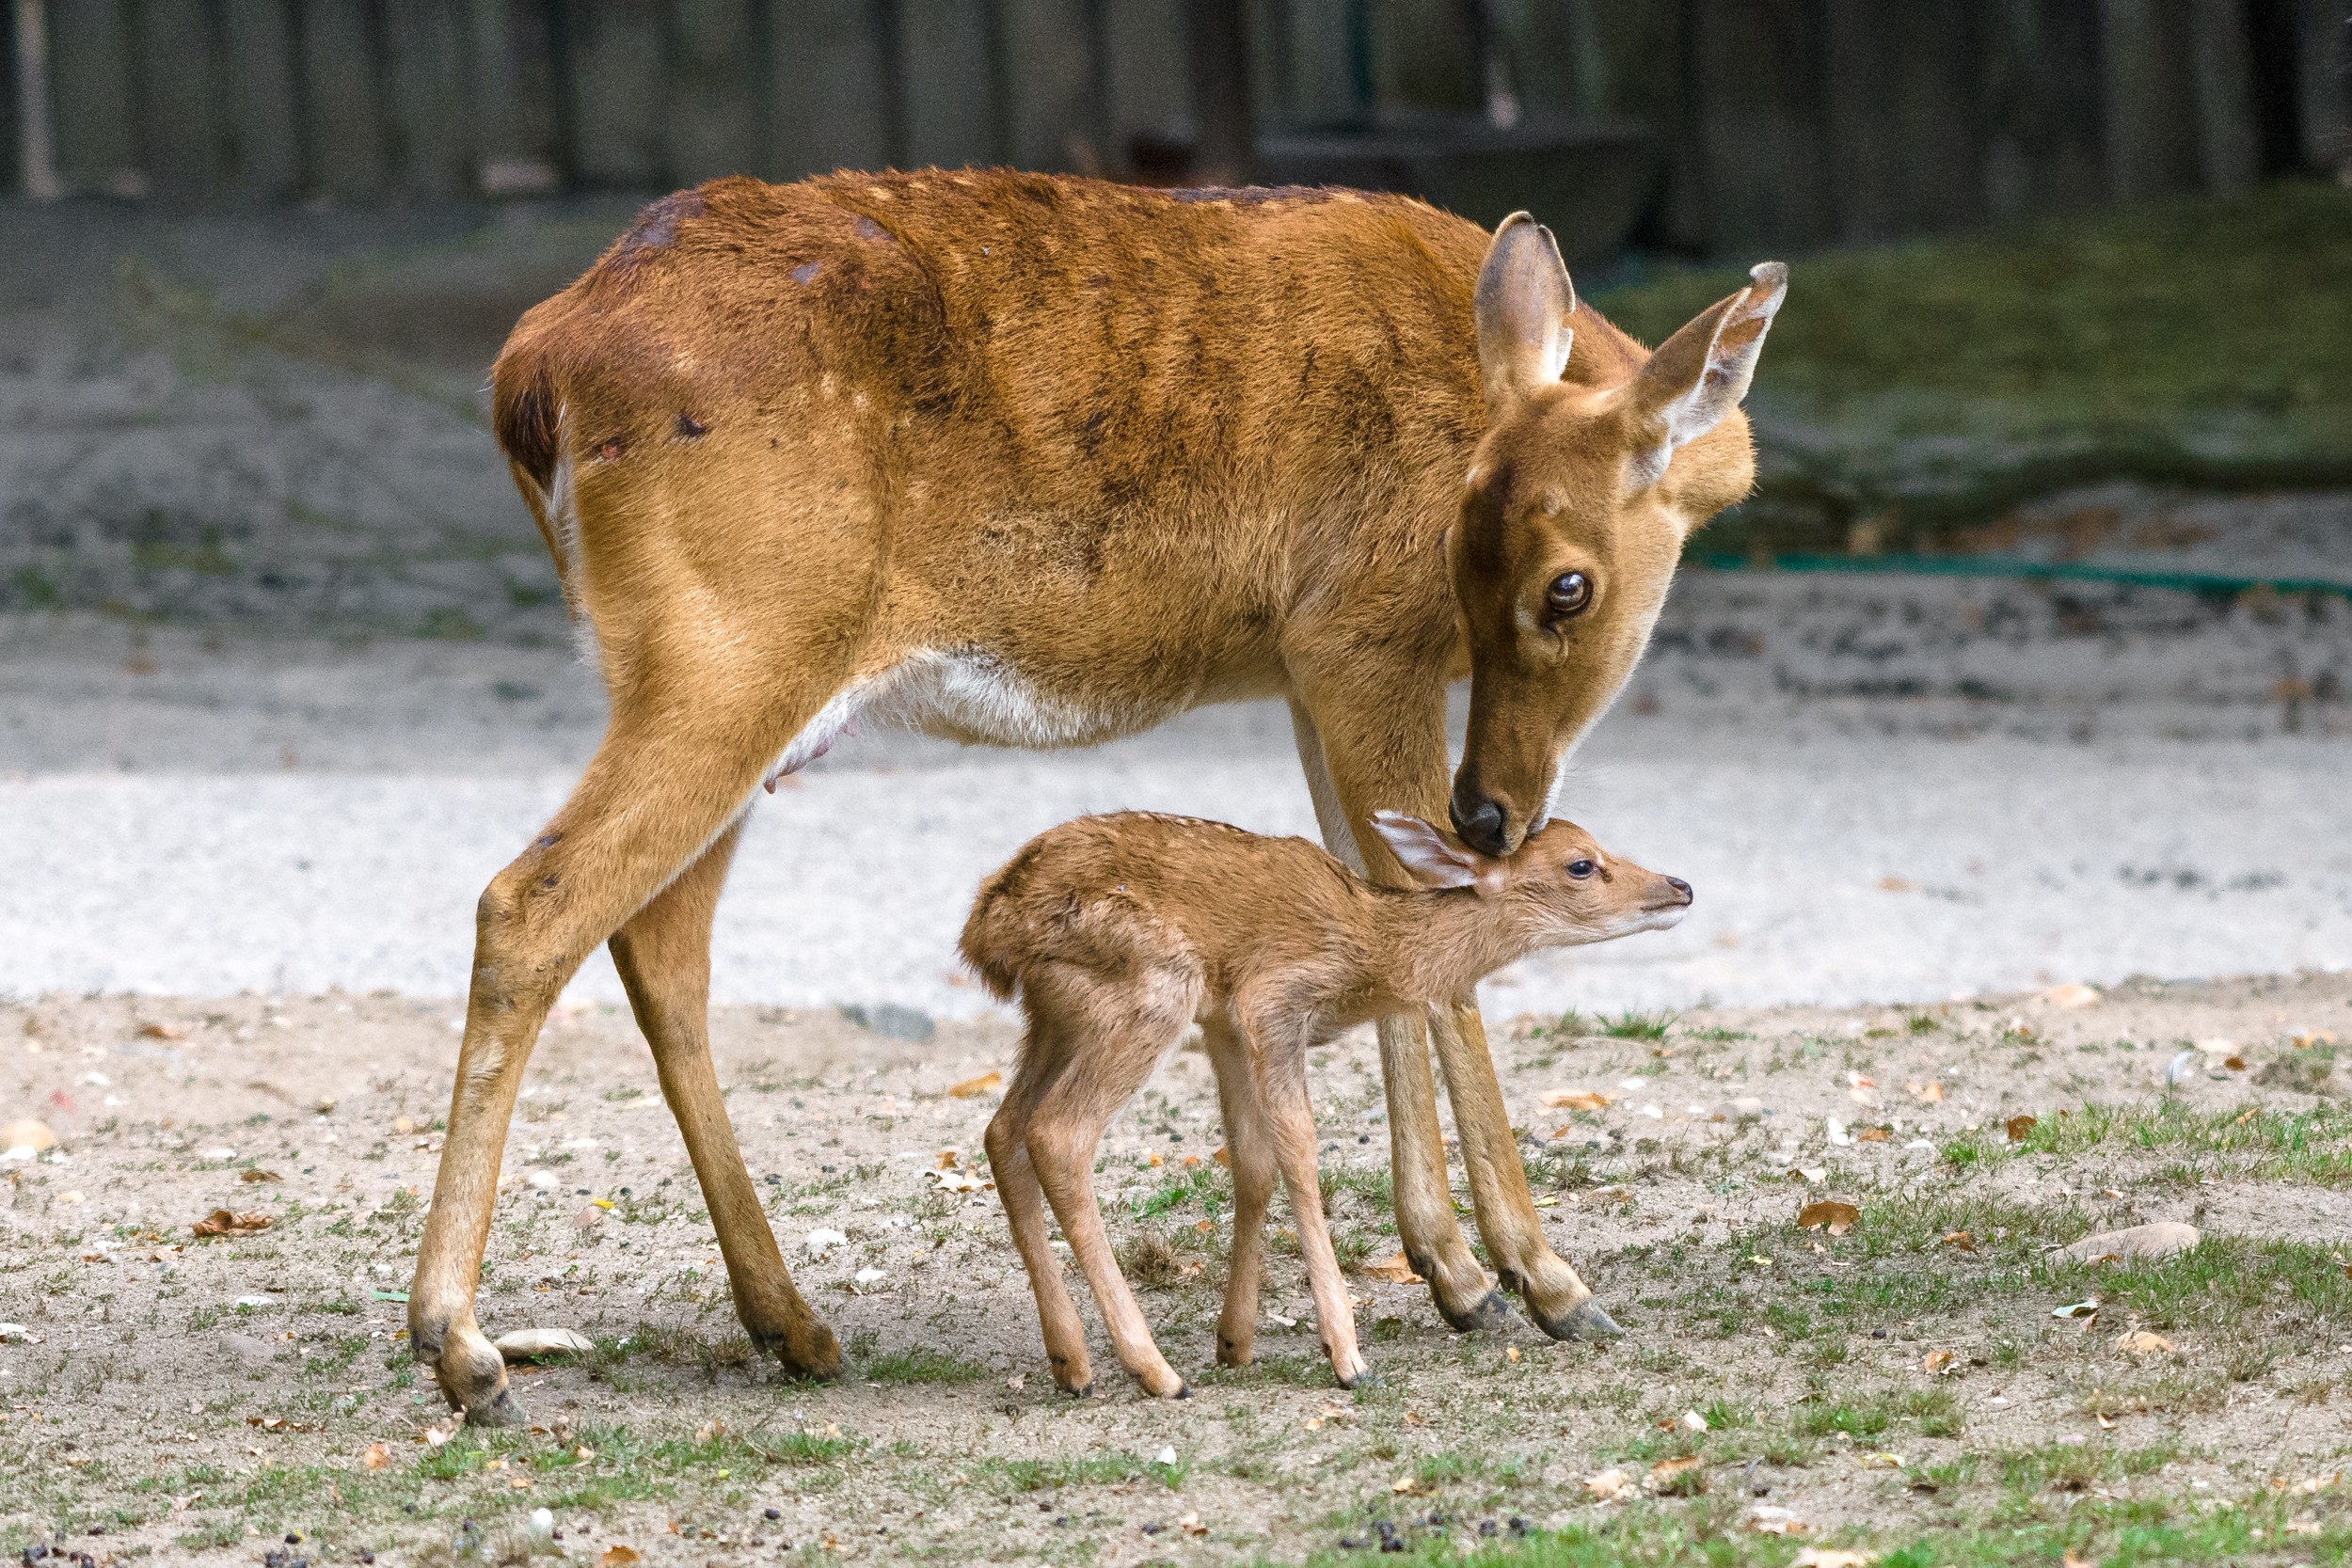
1574, 512
1578, 893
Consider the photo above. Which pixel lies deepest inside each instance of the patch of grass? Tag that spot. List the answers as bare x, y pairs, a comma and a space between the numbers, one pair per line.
918, 1364
1207, 1185
1637, 1026
2312, 1147
1096, 1469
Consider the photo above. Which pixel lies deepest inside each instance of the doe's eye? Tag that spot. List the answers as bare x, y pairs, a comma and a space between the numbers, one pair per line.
1568, 593
1581, 869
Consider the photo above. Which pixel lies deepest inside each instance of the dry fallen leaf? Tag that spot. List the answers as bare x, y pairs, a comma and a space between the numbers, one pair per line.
1940, 1362
1874, 1135
257, 1173
1682, 1478
2072, 994
34, 1136
376, 1456
1397, 1269
2139, 1341
1929, 1093
1576, 1099
221, 1221
986, 1082
1769, 1519
1833, 1215
958, 1182
1959, 1240
2311, 1037
162, 1032
1405, 1486
402, 1125
945, 1159
1882, 1460
2072, 1559
1221, 1157
1609, 1485
1895, 884
1190, 1524
619, 1556
2018, 1127
1827, 1556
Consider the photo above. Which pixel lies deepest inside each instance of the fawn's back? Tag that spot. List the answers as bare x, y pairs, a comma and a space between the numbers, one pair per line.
1111, 893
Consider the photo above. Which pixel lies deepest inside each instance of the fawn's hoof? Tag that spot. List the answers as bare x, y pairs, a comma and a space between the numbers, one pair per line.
1364, 1377
1586, 1321
1183, 1392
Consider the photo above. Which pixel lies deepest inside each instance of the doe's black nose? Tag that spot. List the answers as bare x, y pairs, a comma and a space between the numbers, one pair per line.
1480, 823
1680, 886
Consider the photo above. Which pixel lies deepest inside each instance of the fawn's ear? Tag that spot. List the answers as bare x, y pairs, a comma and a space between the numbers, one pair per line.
1523, 306
1698, 375
1435, 859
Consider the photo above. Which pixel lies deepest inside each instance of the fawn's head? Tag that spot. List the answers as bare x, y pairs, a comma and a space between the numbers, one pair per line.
1578, 893
1577, 503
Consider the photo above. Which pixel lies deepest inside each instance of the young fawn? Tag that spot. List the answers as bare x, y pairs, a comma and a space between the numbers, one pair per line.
1119, 931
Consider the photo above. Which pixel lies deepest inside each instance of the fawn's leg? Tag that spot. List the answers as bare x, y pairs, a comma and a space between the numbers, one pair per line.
1281, 1078
1041, 1060
1118, 1035
1250, 1145
1399, 775
664, 955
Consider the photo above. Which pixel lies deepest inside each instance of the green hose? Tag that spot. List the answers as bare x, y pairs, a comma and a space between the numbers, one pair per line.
2020, 568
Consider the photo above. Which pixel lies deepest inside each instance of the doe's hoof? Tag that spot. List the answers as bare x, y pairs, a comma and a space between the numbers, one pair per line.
1492, 1311
1364, 1378
1586, 1321
501, 1411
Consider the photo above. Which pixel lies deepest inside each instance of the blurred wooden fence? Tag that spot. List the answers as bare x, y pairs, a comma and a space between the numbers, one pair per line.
1775, 121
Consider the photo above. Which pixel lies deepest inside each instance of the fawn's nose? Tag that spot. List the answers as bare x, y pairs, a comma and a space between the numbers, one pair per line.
1479, 822
1680, 887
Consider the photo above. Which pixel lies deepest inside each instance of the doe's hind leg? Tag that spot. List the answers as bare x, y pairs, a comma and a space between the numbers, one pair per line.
1042, 1056
1120, 1031
1250, 1145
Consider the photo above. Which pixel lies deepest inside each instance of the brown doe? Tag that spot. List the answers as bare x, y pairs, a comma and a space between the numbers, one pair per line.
1118, 932
1038, 461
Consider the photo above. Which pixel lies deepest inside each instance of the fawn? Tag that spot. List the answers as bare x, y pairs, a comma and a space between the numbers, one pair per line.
1119, 931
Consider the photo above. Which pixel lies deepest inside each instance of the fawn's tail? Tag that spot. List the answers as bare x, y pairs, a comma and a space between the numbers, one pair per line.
996, 935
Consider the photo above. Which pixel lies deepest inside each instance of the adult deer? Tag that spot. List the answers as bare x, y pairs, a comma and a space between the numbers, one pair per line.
1037, 461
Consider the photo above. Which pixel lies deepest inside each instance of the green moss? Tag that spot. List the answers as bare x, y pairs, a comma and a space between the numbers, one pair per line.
1938, 382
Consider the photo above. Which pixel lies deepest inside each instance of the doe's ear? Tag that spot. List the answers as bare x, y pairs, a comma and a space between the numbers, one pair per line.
1435, 859
1522, 307
1698, 375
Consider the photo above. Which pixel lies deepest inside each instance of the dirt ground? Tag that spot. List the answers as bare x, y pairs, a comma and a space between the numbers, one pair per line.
173, 1399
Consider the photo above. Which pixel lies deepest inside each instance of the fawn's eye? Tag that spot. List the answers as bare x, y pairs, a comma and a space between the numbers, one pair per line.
1568, 593
1581, 869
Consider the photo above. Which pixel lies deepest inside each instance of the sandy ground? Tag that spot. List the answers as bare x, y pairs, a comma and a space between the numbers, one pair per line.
196, 1401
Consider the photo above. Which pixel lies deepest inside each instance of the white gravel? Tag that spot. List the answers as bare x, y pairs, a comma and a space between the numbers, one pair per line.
1883, 790
2023, 863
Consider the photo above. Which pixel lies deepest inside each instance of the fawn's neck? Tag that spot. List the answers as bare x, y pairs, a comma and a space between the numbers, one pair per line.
1436, 945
